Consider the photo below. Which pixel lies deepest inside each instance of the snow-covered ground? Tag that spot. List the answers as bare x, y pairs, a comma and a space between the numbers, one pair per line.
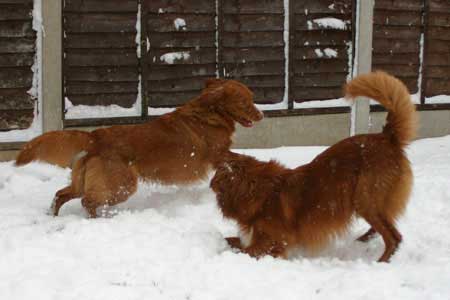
167, 243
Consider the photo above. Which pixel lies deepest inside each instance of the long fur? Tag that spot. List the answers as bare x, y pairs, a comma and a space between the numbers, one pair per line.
366, 175
176, 148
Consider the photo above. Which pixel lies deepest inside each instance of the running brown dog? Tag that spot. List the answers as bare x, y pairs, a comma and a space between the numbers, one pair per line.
176, 148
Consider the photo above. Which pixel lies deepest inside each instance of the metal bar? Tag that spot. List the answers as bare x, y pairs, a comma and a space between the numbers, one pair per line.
143, 60
290, 69
363, 61
425, 16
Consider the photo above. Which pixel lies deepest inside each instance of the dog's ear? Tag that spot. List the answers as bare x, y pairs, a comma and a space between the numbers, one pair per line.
213, 82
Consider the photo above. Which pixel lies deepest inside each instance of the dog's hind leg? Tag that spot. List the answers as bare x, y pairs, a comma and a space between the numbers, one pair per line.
62, 196
109, 180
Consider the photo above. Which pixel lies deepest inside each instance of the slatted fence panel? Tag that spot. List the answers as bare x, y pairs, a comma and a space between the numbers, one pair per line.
396, 39
100, 59
437, 49
321, 46
17, 52
182, 49
252, 46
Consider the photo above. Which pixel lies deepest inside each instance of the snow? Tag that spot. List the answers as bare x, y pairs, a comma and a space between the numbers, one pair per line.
329, 22
35, 129
327, 52
171, 57
180, 24
100, 111
439, 99
341, 102
167, 243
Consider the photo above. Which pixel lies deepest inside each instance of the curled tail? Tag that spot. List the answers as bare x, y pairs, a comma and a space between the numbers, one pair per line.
401, 122
56, 147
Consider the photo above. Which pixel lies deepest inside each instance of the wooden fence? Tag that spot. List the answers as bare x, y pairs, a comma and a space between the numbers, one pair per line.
17, 55
160, 51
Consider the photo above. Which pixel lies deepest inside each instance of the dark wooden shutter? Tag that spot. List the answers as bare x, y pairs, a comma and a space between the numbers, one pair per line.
396, 39
317, 73
101, 63
173, 82
436, 71
17, 51
252, 46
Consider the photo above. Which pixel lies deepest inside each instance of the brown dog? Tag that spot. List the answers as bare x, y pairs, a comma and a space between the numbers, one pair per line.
366, 175
177, 148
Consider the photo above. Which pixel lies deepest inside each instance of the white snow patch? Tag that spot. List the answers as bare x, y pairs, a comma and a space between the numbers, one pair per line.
331, 23
330, 52
100, 111
158, 111
341, 102
318, 52
168, 243
171, 57
180, 24
440, 99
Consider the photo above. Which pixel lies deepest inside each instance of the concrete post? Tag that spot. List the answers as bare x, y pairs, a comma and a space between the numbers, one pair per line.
51, 65
363, 63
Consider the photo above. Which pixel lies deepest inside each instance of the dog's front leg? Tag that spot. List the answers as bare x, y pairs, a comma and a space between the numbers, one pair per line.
234, 242
263, 245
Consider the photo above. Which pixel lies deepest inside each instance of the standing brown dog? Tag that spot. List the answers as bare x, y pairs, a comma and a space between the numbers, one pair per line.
367, 175
177, 148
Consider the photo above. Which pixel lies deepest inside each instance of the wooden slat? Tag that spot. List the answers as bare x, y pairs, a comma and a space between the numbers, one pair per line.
264, 95
441, 59
166, 22
15, 119
439, 19
253, 39
322, 6
437, 86
102, 74
200, 56
306, 22
17, 45
253, 6
75, 22
163, 72
438, 33
404, 5
260, 22
254, 68
320, 66
15, 78
171, 99
86, 88
396, 46
399, 59
100, 41
16, 1
182, 39
397, 18
439, 6
179, 85
322, 38
15, 12
91, 57
11, 99
243, 55
300, 94
10, 29
180, 6
438, 47
397, 32
438, 71
16, 60
320, 80
306, 53
101, 6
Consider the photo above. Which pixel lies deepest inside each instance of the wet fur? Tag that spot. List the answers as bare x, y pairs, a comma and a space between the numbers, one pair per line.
365, 175
177, 148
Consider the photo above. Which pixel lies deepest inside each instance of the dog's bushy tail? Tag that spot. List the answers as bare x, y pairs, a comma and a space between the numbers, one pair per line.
402, 120
55, 147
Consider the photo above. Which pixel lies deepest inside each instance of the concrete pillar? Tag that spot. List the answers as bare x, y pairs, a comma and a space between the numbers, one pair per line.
363, 63
51, 65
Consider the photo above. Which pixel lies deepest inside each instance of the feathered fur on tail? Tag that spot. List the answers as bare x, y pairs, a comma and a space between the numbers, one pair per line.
402, 120
55, 147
